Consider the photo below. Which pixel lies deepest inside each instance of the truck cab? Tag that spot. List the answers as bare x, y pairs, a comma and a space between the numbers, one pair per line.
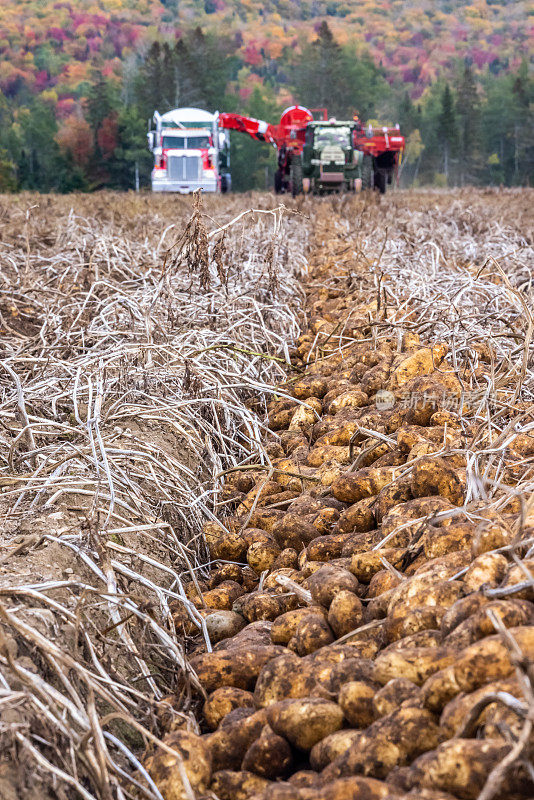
190, 152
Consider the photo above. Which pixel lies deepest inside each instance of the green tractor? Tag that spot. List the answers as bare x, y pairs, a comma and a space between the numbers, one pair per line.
329, 161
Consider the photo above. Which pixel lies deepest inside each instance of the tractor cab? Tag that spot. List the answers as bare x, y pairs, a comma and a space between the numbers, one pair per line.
329, 159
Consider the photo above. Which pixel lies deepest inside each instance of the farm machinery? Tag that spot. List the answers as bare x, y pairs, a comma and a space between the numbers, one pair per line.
315, 154
324, 155
191, 151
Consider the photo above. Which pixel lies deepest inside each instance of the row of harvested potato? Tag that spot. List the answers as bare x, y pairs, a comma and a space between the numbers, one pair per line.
353, 595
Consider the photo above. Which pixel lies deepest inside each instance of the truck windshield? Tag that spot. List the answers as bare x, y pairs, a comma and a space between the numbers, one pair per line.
183, 142
194, 142
173, 142
327, 136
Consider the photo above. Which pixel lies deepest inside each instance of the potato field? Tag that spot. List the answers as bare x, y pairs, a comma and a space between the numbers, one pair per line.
267, 497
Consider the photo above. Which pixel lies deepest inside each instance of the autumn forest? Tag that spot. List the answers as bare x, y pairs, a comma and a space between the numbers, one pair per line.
80, 80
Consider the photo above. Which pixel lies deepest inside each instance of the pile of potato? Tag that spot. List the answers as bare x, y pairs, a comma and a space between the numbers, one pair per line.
351, 604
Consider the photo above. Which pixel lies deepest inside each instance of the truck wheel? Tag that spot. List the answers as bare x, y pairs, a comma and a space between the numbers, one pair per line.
380, 182
296, 178
367, 172
278, 182
224, 184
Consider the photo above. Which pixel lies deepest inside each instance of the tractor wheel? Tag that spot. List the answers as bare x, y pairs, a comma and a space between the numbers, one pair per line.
380, 182
296, 178
278, 182
367, 172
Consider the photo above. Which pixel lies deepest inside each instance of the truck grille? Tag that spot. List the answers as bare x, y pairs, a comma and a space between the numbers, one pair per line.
184, 168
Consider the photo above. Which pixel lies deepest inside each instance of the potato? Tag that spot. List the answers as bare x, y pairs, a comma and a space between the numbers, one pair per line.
422, 362
398, 491
354, 486
229, 743
393, 694
387, 743
455, 712
325, 519
399, 516
292, 441
376, 378
312, 632
223, 624
264, 489
265, 518
324, 548
381, 584
491, 535
269, 756
516, 574
310, 386
223, 596
226, 572
333, 746
440, 688
361, 542
282, 678
510, 612
461, 610
304, 778
416, 663
433, 476
353, 398
439, 542
280, 420
356, 700
285, 626
328, 581
338, 429
262, 555
333, 676
241, 785
345, 613
263, 605
304, 722
391, 458
423, 590
293, 531
320, 453
365, 565
359, 517
193, 753
304, 417
255, 634
238, 668
355, 787
287, 558
416, 619
461, 766
228, 547
224, 700
489, 659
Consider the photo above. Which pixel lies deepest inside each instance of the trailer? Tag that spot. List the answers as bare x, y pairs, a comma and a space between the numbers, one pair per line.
191, 152
320, 154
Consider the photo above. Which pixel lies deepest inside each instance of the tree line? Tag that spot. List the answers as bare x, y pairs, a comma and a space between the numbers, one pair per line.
470, 129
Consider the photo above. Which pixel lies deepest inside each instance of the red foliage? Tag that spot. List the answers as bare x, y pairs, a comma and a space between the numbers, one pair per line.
107, 135
75, 137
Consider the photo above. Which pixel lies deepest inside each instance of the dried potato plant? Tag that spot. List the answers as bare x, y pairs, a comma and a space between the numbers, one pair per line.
133, 336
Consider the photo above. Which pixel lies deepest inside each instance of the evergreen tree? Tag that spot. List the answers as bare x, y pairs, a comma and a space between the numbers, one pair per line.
321, 74
446, 129
468, 112
251, 162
